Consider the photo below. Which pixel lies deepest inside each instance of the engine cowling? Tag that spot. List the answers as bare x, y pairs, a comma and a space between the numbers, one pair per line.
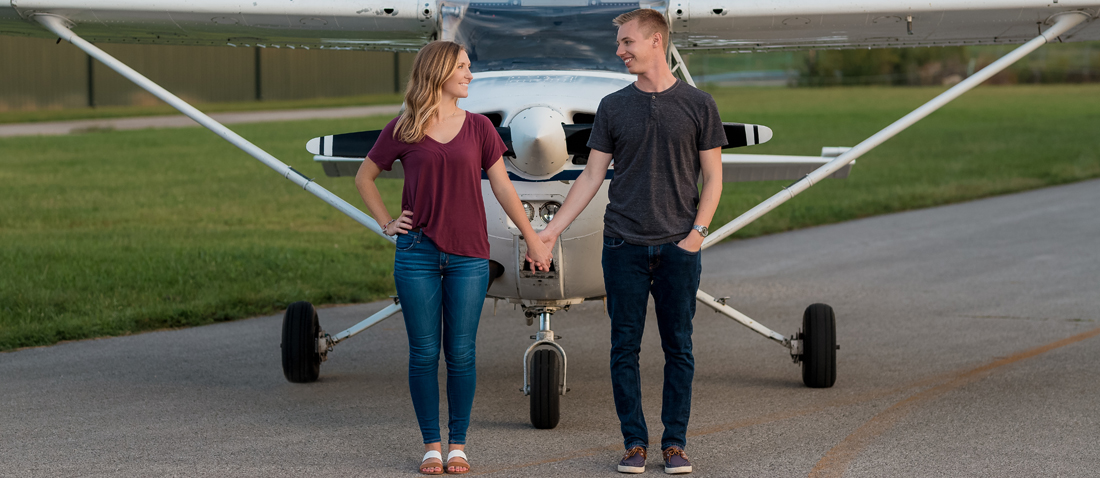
538, 140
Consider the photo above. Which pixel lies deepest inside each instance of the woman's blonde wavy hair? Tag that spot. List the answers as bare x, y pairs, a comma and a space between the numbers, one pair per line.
434, 64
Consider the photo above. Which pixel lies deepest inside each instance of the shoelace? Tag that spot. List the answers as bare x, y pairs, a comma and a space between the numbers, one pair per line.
674, 451
634, 451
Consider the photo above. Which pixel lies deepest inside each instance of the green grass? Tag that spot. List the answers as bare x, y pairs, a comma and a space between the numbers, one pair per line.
116, 232
993, 140
161, 109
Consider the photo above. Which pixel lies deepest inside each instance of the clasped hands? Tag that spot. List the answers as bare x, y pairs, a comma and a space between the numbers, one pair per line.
539, 253
539, 250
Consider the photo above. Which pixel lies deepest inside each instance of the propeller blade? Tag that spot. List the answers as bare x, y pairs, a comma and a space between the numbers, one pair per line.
739, 135
357, 145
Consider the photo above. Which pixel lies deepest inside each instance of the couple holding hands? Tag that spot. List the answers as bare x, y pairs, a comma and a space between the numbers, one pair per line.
664, 135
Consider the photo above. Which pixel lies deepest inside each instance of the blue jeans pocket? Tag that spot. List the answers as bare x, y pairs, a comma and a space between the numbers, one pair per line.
613, 242
406, 242
684, 251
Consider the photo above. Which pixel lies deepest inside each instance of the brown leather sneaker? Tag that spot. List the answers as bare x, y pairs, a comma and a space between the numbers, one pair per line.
676, 461
633, 461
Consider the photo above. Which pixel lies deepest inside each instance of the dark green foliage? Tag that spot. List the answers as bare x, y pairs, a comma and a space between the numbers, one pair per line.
1077, 62
885, 66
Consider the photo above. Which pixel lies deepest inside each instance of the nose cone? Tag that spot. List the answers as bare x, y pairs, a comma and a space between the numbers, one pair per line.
539, 141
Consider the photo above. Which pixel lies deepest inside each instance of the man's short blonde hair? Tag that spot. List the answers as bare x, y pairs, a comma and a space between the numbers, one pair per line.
650, 21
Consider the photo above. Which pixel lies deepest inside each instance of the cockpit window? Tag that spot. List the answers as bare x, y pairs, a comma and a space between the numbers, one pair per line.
513, 36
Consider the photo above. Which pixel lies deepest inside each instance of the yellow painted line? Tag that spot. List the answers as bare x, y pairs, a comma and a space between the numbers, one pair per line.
835, 463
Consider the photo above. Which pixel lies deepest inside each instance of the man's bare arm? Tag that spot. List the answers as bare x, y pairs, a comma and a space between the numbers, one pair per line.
710, 165
580, 194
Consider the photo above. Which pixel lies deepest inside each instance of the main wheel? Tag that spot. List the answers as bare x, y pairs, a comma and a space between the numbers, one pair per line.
301, 362
545, 389
819, 346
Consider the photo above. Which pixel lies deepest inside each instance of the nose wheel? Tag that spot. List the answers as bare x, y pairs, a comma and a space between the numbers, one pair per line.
544, 373
545, 390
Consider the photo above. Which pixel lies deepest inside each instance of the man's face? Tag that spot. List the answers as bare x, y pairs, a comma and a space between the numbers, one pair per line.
637, 50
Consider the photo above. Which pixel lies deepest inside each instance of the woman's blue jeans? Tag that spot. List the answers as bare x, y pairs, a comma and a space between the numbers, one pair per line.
631, 274
441, 298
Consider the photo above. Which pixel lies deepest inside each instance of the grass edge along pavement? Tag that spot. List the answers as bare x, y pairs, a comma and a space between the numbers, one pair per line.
117, 232
163, 109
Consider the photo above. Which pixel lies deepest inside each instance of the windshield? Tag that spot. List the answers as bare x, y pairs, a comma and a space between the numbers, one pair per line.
533, 36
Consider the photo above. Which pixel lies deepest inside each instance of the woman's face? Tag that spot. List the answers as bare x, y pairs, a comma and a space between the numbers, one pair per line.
458, 84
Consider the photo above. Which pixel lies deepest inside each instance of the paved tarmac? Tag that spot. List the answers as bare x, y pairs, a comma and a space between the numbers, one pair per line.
55, 128
969, 348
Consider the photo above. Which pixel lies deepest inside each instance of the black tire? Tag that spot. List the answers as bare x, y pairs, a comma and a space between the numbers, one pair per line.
301, 362
545, 390
819, 346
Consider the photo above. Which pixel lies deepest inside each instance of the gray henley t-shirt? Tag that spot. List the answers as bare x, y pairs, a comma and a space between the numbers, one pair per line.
655, 140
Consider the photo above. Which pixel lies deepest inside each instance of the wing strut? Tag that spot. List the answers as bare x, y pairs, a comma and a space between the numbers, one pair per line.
60, 27
677, 64
1063, 22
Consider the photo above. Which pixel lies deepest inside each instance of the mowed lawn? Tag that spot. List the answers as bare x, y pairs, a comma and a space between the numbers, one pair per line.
110, 233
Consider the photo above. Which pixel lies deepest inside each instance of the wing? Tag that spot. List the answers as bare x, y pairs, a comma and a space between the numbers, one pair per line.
774, 167
696, 24
328, 24
765, 25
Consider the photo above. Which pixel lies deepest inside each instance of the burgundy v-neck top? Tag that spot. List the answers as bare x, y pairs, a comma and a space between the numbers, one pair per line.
443, 182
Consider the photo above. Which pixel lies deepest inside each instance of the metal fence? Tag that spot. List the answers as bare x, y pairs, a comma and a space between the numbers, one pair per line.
42, 74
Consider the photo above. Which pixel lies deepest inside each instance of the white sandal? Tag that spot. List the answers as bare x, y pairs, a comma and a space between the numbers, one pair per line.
457, 454
432, 454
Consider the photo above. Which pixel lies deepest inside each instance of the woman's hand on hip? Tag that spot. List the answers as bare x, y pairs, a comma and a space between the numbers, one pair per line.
401, 225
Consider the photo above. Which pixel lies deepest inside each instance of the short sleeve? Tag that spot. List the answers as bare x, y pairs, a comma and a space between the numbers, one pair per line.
386, 149
711, 133
492, 147
599, 138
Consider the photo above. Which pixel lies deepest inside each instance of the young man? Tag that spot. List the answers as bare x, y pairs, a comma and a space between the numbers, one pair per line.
664, 136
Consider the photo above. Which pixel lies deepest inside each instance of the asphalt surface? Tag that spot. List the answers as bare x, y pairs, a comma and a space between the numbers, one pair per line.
969, 348
55, 128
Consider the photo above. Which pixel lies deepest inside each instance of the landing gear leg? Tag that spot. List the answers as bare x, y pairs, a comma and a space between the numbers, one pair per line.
814, 346
544, 373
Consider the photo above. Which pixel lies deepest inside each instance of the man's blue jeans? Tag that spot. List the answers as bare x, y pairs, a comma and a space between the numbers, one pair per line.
440, 291
671, 274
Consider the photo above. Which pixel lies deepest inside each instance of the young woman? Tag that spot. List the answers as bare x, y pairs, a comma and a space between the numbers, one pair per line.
441, 267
